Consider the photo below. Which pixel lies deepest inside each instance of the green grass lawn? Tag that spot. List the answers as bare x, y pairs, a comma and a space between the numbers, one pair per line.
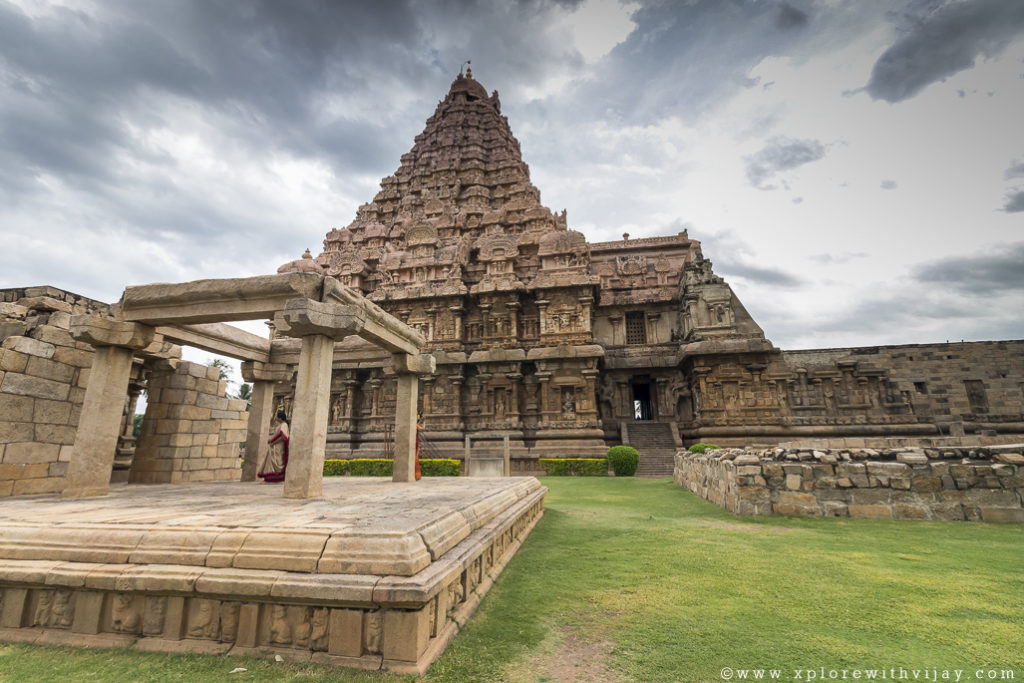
638, 579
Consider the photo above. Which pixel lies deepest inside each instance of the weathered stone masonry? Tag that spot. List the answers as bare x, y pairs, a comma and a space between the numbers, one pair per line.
947, 483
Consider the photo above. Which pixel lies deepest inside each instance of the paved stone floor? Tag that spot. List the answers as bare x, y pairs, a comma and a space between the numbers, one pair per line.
408, 524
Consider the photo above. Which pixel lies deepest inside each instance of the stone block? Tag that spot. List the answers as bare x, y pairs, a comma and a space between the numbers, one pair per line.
73, 356
406, 633
24, 487
212, 402
793, 497
912, 458
909, 511
888, 469
900, 483
873, 511
42, 302
24, 471
12, 361
833, 508
947, 512
37, 387
981, 497
1009, 458
51, 412
1002, 514
88, 612
875, 496
796, 509
12, 328
12, 310
28, 346
794, 482
847, 469
186, 412
53, 335
927, 484
16, 431
60, 434
30, 453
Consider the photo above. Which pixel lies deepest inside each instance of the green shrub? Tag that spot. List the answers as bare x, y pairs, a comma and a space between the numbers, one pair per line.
701, 447
370, 467
575, 467
440, 467
624, 460
335, 468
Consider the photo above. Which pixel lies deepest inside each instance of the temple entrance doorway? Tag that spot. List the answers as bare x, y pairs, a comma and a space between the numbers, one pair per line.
643, 406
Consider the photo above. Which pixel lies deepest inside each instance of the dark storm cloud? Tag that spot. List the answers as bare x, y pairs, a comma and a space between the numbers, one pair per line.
1016, 170
943, 42
733, 257
790, 17
1014, 202
757, 274
885, 311
781, 154
980, 274
683, 57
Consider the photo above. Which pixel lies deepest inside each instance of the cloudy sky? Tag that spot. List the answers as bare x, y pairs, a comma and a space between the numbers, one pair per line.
855, 169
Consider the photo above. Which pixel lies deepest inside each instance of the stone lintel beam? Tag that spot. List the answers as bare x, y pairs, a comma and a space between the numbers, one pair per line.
305, 317
380, 328
218, 300
98, 331
222, 339
420, 364
255, 371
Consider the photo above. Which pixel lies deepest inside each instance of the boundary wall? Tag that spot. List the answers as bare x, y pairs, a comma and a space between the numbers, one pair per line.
954, 483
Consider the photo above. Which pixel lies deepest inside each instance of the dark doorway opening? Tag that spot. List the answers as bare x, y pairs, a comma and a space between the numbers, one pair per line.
642, 406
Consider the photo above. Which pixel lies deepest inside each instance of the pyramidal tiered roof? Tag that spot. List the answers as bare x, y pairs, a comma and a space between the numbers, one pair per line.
460, 215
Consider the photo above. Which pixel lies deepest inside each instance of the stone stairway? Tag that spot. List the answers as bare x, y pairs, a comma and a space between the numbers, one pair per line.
656, 446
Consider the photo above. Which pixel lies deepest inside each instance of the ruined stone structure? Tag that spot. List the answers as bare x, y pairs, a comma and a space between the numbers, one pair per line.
567, 347
941, 482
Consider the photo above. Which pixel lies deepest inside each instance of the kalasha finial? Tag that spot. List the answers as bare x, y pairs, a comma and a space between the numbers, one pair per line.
468, 68
306, 254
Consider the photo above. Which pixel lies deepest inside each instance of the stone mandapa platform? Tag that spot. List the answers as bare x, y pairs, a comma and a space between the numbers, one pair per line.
373, 575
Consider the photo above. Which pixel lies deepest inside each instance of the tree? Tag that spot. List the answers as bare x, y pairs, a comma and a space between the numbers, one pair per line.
245, 392
221, 365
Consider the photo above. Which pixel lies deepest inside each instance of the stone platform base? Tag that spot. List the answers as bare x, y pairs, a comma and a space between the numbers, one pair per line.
373, 575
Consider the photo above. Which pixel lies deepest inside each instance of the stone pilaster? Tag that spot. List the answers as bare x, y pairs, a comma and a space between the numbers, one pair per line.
92, 459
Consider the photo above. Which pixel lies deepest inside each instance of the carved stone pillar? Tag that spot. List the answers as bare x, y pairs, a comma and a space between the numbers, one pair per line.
92, 460
319, 325
542, 309
457, 313
513, 318
408, 368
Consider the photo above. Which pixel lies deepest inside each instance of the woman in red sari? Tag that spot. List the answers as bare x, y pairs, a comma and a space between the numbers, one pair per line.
274, 465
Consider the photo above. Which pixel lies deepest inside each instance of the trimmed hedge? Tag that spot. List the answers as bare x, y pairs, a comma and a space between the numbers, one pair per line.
701, 447
574, 467
382, 467
335, 468
624, 460
441, 467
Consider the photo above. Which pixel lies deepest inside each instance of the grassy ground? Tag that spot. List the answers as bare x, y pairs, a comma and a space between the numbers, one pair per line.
637, 579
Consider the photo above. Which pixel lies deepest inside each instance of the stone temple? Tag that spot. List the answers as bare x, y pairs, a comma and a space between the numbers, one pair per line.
567, 347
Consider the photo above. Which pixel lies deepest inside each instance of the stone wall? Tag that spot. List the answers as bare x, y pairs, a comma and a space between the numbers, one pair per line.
191, 432
43, 374
972, 484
